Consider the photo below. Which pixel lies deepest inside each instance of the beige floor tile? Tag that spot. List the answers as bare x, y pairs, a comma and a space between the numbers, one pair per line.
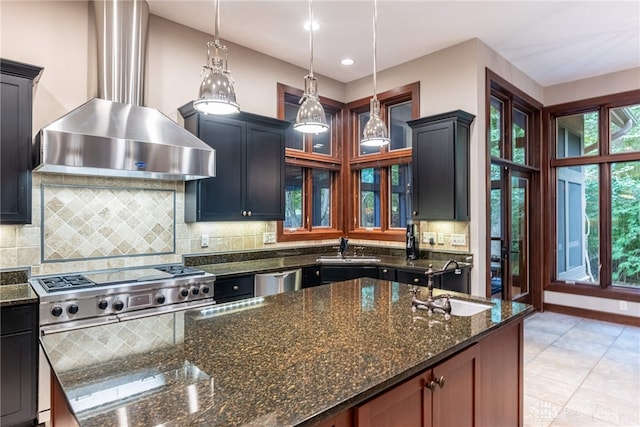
629, 360
589, 337
552, 323
629, 339
556, 353
558, 370
599, 406
626, 388
548, 390
604, 328
531, 350
539, 337
570, 418
539, 413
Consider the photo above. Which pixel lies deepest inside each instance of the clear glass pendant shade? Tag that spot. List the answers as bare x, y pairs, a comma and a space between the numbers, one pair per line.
311, 117
375, 131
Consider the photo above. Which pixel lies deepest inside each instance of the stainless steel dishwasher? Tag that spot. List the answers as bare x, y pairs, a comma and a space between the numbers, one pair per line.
275, 283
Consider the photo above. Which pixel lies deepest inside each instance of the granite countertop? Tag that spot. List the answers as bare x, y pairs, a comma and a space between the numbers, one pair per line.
21, 293
287, 359
266, 265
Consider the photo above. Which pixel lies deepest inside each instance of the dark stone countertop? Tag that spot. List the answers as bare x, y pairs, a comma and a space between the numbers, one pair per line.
21, 293
274, 264
294, 358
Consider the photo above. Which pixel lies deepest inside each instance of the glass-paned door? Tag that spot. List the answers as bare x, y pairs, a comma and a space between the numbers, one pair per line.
509, 246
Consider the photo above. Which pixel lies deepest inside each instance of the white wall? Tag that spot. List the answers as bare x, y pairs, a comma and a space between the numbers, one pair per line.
621, 81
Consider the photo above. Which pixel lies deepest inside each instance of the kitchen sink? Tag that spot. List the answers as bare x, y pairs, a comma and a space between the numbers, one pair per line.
465, 308
338, 259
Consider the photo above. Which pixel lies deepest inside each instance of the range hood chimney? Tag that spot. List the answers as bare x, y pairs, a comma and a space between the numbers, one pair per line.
114, 135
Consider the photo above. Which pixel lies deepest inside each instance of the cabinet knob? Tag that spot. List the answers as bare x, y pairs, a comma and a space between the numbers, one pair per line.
235, 287
244, 213
318, 273
438, 382
385, 270
415, 213
416, 280
249, 213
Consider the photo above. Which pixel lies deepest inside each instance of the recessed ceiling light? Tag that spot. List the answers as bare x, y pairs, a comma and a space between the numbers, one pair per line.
347, 61
316, 26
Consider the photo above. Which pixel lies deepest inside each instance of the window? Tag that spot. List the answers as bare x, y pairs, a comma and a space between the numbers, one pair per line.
312, 174
596, 168
381, 202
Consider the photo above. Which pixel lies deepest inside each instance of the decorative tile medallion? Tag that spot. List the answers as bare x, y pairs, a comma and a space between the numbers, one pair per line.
102, 222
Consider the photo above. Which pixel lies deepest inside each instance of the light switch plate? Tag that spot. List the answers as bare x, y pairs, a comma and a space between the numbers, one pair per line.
268, 238
428, 237
204, 241
441, 238
458, 240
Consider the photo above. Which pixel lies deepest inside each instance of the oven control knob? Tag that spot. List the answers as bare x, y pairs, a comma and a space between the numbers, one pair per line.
205, 289
184, 292
103, 304
195, 291
160, 299
56, 311
118, 305
72, 309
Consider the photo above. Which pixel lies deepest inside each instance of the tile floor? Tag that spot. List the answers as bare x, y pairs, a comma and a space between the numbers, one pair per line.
580, 372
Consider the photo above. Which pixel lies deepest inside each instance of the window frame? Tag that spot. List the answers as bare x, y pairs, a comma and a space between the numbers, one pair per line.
604, 160
383, 160
309, 161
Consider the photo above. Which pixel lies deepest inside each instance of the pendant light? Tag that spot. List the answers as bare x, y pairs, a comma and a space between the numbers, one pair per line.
216, 95
375, 131
311, 117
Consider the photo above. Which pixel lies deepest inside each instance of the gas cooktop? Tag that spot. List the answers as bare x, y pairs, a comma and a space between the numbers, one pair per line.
113, 277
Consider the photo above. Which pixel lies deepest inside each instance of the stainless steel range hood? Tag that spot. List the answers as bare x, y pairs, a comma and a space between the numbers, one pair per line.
114, 135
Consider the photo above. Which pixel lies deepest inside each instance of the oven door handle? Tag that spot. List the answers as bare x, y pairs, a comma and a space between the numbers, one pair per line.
77, 324
155, 311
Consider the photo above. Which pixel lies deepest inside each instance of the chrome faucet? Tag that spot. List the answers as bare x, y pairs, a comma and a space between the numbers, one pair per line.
430, 303
448, 263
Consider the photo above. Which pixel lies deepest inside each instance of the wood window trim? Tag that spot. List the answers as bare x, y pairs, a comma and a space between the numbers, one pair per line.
353, 162
308, 160
512, 96
603, 160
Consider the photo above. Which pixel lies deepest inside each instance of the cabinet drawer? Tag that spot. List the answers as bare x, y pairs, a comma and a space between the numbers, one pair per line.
233, 287
412, 277
386, 273
17, 319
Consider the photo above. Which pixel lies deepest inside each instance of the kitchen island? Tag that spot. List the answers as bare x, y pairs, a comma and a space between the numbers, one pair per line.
301, 358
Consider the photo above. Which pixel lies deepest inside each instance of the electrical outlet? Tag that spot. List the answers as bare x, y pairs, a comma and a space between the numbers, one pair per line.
458, 240
623, 306
204, 241
441, 238
268, 238
428, 237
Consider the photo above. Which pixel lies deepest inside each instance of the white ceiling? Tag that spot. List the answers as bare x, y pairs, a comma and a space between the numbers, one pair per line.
551, 41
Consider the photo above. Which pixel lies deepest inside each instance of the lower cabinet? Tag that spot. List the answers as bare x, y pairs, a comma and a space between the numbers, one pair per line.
479, 386
311, 276
446, 395
387, 273
414, 277
19, 365
233, 288
338, 273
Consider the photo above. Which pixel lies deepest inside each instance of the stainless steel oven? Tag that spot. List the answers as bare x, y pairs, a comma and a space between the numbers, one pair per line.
81, 300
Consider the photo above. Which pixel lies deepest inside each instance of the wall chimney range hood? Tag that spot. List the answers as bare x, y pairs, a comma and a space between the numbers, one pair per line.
114, 135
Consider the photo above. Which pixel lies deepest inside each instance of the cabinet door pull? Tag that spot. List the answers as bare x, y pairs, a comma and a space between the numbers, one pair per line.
244, 213
385, 270
235, 287
249, 213
416, 280
318, 273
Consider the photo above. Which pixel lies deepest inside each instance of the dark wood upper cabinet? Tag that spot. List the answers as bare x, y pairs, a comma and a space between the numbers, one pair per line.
441, 166
249, 181
17, 80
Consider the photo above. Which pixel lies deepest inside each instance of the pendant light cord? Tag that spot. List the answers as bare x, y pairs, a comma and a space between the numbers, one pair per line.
311, 38
216, 21
375, 60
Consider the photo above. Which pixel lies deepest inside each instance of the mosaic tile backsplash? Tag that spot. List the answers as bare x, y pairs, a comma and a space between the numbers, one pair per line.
77, 223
